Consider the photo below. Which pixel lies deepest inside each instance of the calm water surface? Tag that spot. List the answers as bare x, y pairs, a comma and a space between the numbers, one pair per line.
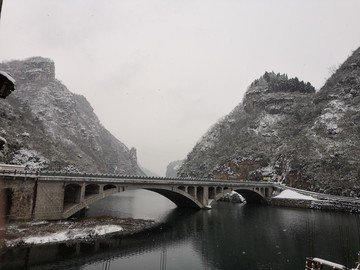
230, 236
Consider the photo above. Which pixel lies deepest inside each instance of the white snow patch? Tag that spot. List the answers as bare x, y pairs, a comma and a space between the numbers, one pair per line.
234, 193
290, 194
3, 140
177, 167
265, 171
40, 222
208, 140
25, 134
334, 111
266, 124
208, 206
30, 158
71, 234
106, 229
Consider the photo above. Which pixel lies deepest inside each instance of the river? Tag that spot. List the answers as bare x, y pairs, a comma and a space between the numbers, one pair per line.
229, 236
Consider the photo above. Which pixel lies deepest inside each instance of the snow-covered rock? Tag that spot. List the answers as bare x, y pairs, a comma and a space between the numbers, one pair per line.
290, 194
67, 235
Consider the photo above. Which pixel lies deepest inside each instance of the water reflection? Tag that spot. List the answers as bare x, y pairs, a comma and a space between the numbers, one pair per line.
133, 204
226, 237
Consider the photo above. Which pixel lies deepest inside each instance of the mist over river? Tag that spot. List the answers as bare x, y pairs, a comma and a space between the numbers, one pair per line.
229, 236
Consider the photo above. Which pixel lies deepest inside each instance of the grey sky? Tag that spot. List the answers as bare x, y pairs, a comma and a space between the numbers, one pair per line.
159, 73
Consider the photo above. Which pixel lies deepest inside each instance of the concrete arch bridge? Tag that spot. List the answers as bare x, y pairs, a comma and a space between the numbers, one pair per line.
59, 196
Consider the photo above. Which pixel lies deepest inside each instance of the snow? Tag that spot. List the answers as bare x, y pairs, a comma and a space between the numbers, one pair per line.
177, 167
209, 139
334, 111
30, 158
212, 136
290, 194
328, 263
3, 140
25, 134
8, 76
266, 123
71, 234
41, 222
208, 206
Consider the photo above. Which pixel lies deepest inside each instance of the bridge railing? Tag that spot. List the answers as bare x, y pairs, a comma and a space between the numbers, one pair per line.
20, 173
141, 177
119, 176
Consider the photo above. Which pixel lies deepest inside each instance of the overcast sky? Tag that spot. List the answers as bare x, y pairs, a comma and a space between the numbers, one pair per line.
159, 73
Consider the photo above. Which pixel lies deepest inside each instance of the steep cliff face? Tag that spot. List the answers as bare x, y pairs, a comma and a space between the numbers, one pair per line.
284, 131
48, 127
253, 135
335, 132
173, 167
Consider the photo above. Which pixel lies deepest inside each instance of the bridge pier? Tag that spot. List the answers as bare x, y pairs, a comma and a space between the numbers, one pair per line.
205, 200
18, 197
82, 192
49, 201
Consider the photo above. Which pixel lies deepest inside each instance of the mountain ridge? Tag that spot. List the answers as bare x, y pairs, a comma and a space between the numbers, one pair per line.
48, 127
285, 131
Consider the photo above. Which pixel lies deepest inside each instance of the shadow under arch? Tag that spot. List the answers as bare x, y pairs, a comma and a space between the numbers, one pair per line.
178, 196
72, 194
251, 196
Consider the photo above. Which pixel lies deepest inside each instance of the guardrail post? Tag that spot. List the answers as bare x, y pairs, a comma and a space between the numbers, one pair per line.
82, 194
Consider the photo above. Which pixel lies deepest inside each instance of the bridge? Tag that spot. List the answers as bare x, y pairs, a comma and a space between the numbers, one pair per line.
56, 196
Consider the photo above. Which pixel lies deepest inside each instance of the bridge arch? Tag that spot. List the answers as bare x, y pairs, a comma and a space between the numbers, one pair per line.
212, 193
72, 193
73, 202
178, 196
91, 189
251, 196
77, 196
107, 187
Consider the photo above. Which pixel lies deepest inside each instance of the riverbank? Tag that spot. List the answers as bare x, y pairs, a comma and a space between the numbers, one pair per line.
289, 198
87, 229
44, 232
328, 205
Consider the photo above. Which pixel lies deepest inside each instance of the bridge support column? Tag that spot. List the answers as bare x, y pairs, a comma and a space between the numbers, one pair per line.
82, 194
49, 201
205, 201
19, 197
202, 195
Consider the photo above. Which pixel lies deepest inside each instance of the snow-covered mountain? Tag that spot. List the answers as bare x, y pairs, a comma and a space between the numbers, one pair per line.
285, 131
48, 127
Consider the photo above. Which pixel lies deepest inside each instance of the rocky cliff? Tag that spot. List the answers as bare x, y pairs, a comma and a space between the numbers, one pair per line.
285, 131
173, 167
45, 126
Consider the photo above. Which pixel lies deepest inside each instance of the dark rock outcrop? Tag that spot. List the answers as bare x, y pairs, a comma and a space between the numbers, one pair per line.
173, 167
